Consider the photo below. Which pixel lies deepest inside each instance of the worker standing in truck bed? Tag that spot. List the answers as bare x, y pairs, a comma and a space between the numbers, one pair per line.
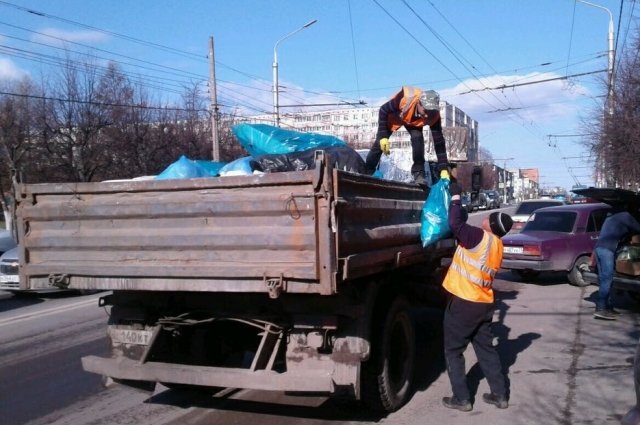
412, 108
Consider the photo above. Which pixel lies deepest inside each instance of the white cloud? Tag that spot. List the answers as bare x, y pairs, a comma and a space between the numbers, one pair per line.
55, 36
10, 71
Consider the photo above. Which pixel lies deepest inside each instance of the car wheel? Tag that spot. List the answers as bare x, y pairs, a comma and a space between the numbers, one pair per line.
575, 275
525, 274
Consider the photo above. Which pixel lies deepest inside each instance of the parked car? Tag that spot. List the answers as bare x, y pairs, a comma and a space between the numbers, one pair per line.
493, 199
465, 199
9, 272
554, 239
480, 201
526, 208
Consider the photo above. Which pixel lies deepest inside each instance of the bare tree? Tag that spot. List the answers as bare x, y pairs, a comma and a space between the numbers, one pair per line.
616, 143
78, 110
17, 133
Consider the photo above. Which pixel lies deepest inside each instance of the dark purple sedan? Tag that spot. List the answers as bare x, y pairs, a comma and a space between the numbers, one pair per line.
555, 239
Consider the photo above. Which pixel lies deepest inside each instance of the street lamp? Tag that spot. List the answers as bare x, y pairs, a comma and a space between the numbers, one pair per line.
611, 56
276, 92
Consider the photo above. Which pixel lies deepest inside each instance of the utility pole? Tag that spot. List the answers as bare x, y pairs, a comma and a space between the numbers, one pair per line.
215, 153
504, 176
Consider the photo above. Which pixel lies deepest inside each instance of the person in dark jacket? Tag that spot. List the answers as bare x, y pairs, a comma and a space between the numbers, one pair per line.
616, 227
413, 109
471, 305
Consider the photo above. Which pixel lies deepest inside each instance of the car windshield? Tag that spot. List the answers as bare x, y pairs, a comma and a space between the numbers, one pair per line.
552, 221
529, 207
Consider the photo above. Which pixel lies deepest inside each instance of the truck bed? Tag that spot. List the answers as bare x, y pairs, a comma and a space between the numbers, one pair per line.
295, 232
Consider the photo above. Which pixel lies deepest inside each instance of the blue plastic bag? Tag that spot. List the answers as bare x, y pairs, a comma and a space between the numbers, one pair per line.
239, 167
185, 168
435, 213
263, 139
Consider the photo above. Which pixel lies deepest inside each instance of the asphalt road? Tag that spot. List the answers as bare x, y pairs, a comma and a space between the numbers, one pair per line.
564, 367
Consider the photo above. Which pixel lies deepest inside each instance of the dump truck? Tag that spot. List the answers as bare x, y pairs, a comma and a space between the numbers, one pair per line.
296, 281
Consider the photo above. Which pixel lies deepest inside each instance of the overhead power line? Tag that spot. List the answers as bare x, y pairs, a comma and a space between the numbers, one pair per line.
509, 86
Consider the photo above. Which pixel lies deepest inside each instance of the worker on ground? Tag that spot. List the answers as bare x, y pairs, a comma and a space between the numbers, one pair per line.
470, 307
413, 109
616, 227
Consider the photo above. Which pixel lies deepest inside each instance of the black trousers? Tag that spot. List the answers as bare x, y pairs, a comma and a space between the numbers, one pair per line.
470, 322
417, 150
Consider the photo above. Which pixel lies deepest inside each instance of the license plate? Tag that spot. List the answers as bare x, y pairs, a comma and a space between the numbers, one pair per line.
512, 250
9, 278
128, 336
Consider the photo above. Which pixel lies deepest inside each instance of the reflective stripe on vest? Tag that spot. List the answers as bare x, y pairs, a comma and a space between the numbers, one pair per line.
472, 271
406, 112
409, 97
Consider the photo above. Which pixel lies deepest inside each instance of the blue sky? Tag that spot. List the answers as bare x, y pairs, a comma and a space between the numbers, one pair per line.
357, 50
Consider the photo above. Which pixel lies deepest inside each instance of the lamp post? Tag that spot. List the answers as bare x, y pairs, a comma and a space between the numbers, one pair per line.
276, 92
611, 56
604, 176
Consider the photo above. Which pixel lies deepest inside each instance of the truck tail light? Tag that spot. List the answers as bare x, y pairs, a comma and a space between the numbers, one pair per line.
531, 250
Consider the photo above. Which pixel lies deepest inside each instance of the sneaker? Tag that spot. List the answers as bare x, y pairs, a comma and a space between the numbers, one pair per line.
614, 311
454, 403
604, 314
499, 401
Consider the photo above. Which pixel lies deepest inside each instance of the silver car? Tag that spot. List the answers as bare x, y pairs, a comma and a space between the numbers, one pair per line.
9, 272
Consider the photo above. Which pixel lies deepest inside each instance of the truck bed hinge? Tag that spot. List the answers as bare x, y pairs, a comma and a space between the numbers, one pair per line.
61, 281
275, 285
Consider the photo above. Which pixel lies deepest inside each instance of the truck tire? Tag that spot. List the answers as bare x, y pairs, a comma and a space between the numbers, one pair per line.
575, 275
387, 377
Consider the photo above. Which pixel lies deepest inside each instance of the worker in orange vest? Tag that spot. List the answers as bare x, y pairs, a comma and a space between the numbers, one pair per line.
412, 108
470, 307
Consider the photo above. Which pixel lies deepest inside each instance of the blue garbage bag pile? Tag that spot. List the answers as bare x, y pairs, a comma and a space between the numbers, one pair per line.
271, 150
185, 168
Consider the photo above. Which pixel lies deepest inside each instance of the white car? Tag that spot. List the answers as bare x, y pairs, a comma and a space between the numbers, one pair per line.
9, 272
526, 208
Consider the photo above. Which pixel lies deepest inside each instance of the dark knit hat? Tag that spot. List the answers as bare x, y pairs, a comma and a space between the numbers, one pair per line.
500, 223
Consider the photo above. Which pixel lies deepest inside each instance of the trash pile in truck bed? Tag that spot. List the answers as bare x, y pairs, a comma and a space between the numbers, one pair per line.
272, 149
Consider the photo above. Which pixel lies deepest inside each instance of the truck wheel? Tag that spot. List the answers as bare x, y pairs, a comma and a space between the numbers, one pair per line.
575, 275
387, 376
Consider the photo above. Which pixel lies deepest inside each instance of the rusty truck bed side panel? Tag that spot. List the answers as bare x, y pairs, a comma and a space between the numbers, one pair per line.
302, 232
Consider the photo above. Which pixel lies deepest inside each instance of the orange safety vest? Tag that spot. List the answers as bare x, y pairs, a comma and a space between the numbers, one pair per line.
472, 271
407, 101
